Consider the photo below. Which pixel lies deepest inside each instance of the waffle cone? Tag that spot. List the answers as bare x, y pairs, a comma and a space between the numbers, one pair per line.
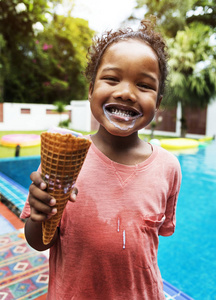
62, 156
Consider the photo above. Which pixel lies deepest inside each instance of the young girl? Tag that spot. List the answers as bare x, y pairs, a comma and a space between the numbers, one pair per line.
106, 244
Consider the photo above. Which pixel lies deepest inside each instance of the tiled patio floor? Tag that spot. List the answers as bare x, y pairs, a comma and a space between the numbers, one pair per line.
23, 270
8, 220
172, 293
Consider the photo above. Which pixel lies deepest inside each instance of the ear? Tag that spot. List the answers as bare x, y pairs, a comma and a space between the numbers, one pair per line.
159, 102
91, 88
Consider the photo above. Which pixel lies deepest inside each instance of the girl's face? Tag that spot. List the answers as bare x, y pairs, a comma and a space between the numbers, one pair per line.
124, 97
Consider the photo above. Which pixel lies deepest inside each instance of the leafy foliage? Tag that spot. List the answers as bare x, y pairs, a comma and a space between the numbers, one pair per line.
60, 107
59, 59
189, 27
193, 67
176, 14
206, 15
170, 14
46, 67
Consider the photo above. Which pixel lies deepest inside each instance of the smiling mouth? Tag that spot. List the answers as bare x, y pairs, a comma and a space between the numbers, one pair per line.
122, 112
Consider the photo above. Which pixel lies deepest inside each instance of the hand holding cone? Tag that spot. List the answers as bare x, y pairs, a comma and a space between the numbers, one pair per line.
62, 156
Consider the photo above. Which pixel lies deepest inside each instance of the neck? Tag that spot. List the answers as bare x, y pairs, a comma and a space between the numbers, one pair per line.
104, 138
128, 150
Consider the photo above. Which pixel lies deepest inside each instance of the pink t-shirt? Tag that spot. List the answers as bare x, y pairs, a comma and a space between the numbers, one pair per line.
108, 242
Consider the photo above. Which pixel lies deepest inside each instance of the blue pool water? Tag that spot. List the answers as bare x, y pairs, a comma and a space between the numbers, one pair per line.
188, 258
20, 168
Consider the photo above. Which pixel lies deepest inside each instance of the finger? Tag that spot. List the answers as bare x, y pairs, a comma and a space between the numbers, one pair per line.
38, 180
36, 193
37, 216
73, 195
41, 207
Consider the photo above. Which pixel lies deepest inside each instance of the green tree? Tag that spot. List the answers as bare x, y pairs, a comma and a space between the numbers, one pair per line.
43, 68
17, 20
192, 79
4, 65
203, 11
174, 15
16, 27
188, 26
60, 108
59, 59
170, 14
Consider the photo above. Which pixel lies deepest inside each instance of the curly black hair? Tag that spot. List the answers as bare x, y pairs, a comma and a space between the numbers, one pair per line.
145, 33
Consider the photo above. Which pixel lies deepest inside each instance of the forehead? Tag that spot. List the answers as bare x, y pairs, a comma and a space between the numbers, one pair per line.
129, 52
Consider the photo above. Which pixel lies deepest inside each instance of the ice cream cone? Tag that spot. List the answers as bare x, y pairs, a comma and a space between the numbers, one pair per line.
62, 156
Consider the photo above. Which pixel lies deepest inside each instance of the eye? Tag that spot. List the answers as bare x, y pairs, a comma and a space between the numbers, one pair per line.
145, 86
110, 78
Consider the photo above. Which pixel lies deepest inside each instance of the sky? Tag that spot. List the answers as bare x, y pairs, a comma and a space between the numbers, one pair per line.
103, 14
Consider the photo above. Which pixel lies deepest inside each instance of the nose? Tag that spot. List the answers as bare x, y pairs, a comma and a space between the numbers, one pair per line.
125, 91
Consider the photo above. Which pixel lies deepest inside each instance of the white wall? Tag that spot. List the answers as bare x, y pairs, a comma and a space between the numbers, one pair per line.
211, 119
80, 118
81, 115
36, 120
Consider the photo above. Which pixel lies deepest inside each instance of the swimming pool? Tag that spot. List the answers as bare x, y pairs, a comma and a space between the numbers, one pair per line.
188, 258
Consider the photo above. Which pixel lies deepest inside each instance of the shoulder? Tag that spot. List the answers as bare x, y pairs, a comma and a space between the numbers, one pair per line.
167, 159
170, 167
165, 154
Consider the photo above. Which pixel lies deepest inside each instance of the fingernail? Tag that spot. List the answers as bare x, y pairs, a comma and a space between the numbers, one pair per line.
73, 197
43, 185
52, 202
54, 211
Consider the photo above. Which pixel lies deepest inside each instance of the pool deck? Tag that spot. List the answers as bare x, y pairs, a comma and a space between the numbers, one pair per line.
9, 222
16, 195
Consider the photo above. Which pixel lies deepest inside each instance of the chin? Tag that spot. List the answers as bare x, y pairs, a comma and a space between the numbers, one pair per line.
120, 133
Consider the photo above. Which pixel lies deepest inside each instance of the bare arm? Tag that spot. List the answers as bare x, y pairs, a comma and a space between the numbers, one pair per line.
42, 208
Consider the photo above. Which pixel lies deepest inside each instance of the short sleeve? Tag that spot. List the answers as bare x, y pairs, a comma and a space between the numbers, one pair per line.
169, 224
26, 210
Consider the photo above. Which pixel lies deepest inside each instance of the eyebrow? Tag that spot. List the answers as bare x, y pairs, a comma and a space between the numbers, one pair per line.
141, 73
149, 76
111, 69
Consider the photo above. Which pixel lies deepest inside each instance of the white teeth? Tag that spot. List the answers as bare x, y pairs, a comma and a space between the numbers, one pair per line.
122, 113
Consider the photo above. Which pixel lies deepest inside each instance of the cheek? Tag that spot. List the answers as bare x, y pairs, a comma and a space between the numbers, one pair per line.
149, 109
96, 108
149, 104
98, 97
